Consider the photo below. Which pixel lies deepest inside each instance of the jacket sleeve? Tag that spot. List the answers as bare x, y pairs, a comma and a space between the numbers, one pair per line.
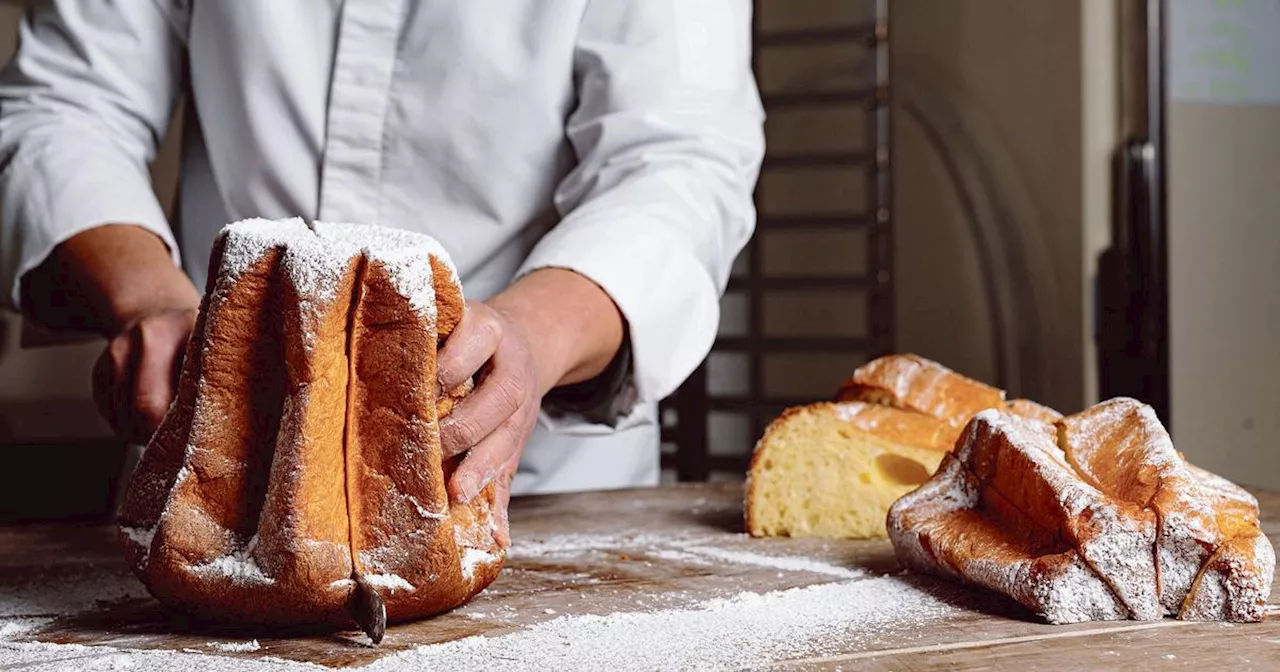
668, 133
83, 106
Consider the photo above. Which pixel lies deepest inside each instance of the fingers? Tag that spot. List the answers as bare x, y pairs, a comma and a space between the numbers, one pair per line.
134, 379
483, 412
471, 344
502, 491
486, 460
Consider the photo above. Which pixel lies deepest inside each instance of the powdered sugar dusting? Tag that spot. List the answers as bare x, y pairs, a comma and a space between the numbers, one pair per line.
1236, 581
20, 627
788, 563
405, 254
81, 658
239, 568
141, 536
849, 410
235, 647
368, 236
474, 557
424, 512
246, 241
61, 590
745, 630
315, 268
390, 582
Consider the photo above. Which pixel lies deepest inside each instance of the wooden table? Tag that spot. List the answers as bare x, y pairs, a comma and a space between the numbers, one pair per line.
625, 555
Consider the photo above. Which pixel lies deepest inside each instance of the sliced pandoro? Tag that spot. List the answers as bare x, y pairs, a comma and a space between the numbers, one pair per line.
900, 414
832, 470
1235, 582
1016, 512
1120, 447
941, 529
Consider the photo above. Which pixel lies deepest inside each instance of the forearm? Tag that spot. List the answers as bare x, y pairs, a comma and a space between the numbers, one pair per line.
573, 327
104, 278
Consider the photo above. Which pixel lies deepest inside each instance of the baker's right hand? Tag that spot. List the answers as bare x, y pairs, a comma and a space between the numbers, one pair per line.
136, 377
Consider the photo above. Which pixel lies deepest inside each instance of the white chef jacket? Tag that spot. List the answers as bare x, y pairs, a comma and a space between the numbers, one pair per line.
617, 138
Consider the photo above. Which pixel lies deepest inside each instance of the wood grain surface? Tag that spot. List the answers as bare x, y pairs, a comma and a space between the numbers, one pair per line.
625, 551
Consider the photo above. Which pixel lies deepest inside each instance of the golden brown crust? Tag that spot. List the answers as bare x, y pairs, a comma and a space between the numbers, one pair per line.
393, 350
917, 384
1030, 409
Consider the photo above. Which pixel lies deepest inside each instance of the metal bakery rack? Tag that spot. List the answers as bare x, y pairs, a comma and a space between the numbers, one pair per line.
811, 296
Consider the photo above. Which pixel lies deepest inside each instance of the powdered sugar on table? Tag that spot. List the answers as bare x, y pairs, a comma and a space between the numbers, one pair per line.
743, 630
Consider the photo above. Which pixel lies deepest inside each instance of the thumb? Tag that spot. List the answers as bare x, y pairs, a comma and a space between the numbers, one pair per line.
153, 389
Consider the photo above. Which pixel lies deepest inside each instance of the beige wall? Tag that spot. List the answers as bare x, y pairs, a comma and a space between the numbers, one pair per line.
1224, 250
1028, 88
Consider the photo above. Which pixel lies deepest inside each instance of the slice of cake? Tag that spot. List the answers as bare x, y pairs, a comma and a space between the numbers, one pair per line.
832, 470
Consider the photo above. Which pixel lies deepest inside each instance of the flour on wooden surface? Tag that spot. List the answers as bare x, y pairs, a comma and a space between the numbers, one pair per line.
745, 630
748, 629
235, 647
692, 549
21, 626
62, 590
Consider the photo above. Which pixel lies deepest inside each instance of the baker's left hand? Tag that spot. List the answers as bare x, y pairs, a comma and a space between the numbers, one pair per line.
551, 327
495, 420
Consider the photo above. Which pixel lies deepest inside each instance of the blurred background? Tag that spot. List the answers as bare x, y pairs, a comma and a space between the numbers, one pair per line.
1070, 200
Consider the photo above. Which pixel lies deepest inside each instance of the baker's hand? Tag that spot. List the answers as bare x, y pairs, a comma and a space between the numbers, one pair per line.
495, 420
551, 327
135, 377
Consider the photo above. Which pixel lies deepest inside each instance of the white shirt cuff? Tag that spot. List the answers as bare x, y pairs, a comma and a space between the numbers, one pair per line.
71, 188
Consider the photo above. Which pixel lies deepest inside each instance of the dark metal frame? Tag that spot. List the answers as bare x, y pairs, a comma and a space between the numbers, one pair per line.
686, 413
1133, 283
